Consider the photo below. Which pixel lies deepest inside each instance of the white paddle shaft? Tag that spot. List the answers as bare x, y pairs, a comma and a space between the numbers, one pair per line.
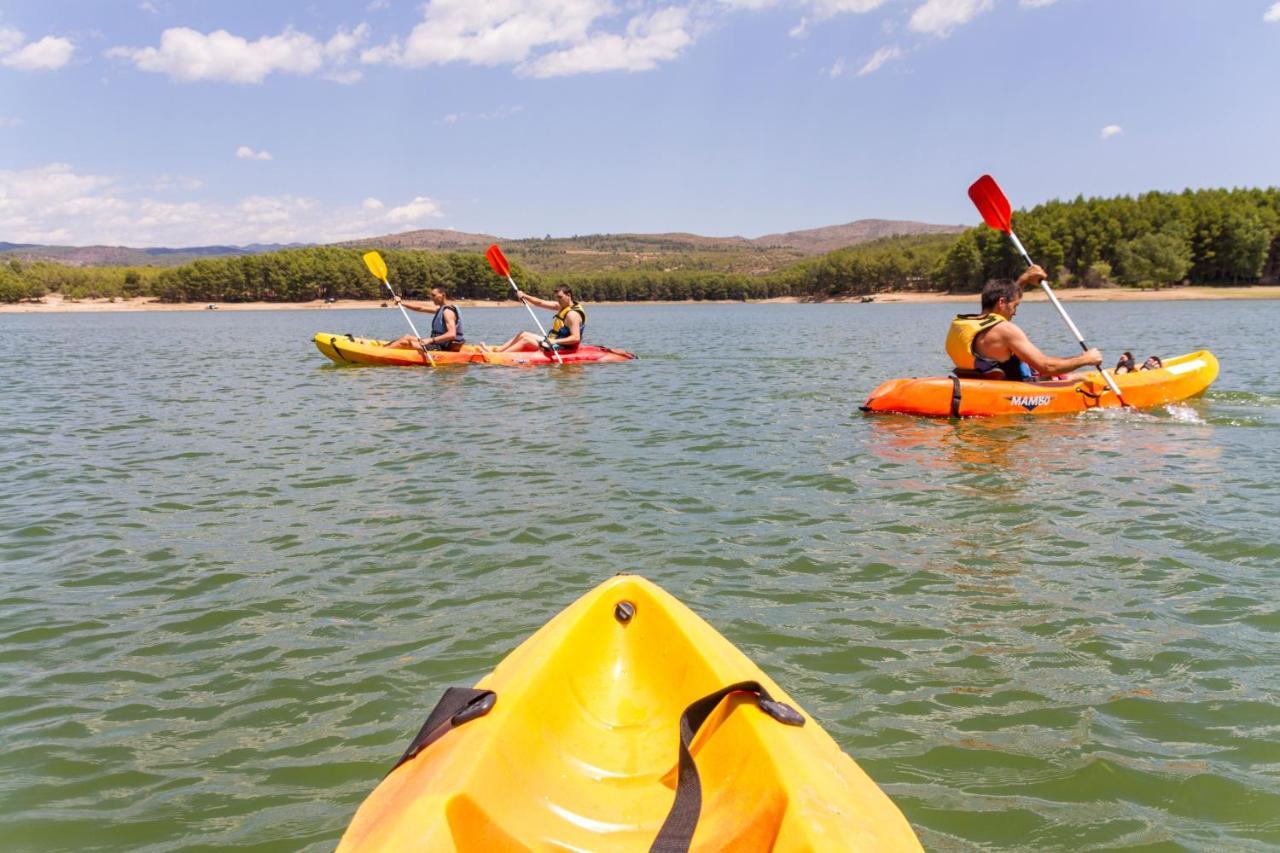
431, 361
1062, 312
535, 320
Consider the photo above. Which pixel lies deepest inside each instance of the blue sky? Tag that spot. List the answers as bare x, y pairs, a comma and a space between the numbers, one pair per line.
190, 122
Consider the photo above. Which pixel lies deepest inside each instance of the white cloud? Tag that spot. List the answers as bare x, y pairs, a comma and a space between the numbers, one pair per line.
188, 55
502, 112
820, 8
346, 76
244, 152
416, 211
815, 11
1111, 130
167, 183
879, 58
836, 69
47, 54
490, 33
830, 8
10, 39
377, 5
54, 204
542, 38
1036, 4
148, 6
939, 17
648, 41
1272, 15
10, 121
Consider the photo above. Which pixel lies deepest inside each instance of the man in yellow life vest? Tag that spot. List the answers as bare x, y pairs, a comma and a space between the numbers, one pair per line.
987, 342
566, 328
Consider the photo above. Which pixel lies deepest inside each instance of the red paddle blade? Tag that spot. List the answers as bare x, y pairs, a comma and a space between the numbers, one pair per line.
991, 203
498, 261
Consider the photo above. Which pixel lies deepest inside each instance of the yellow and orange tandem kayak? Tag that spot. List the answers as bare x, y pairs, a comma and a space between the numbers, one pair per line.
949, 396
625, 723
348, 349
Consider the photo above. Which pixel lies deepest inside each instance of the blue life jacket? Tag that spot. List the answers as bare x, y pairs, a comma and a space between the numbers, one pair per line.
438, 326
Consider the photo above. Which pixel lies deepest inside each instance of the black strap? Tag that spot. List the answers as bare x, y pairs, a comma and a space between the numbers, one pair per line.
457, 706
955, 396
677, 830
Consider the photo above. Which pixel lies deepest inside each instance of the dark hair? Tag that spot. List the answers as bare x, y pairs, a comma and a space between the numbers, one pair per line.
442, 288
998, 289
565, 289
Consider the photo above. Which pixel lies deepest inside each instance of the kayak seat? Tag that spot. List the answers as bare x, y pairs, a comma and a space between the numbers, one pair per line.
962, 373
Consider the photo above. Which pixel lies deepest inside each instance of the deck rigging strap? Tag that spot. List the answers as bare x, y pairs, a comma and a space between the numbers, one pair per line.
677, 830
458, 705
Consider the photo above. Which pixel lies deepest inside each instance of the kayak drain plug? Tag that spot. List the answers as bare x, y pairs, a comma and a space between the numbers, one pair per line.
624, 611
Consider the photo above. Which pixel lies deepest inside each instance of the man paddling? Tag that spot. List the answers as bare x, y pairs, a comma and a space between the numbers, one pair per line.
446, 325
989, 342
566, 328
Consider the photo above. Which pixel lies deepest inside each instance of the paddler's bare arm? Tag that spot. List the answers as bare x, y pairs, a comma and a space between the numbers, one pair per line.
1046, 365
427, 308
549, 304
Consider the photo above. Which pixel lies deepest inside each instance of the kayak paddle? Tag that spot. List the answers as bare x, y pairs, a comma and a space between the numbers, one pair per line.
378, 267
996, 211
498, 261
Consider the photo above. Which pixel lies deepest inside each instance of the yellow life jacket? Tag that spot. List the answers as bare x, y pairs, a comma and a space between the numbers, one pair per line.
560, 327
964, 330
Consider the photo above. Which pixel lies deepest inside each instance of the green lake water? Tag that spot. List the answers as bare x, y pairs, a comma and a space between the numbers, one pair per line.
233, 579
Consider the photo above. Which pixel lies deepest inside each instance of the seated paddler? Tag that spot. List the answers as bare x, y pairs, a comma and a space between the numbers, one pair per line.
989, 345
446, 323
566, 327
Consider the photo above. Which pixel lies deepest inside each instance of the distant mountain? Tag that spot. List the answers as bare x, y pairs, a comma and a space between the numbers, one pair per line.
124, 256
579, 253
819, 241
440, 239
814, 241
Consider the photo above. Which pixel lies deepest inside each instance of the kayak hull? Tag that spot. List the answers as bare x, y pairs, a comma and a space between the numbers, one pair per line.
347, 349
579, 751
942, 396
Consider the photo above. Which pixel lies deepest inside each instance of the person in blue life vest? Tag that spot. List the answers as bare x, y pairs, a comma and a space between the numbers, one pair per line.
566, 327
446, 323
990, 344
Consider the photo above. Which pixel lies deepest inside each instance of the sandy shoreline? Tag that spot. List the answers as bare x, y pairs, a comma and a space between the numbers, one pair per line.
55, 304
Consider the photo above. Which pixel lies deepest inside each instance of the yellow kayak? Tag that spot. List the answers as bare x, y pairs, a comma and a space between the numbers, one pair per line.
582, 737
348, 349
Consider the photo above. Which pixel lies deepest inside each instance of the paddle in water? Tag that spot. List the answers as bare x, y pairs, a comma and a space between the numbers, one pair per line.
498, 261
998, 214
378, 267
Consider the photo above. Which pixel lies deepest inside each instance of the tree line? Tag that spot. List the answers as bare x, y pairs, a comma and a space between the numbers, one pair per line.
1201, 236
1198, 236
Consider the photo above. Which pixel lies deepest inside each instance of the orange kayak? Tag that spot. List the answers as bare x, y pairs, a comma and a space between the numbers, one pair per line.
347, 349
626, 723
947, 396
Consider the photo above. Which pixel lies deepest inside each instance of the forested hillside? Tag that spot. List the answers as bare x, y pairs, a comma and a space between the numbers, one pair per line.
1216, 237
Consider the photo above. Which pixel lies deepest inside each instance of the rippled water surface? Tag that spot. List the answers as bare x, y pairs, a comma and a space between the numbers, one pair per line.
234, 579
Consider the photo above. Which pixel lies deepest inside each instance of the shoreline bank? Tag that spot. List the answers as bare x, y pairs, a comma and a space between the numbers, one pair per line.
55, 304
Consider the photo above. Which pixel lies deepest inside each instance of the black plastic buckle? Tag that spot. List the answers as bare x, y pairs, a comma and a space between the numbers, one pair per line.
782, 712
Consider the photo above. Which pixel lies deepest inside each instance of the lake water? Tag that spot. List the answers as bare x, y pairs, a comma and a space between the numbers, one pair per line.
234, 579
